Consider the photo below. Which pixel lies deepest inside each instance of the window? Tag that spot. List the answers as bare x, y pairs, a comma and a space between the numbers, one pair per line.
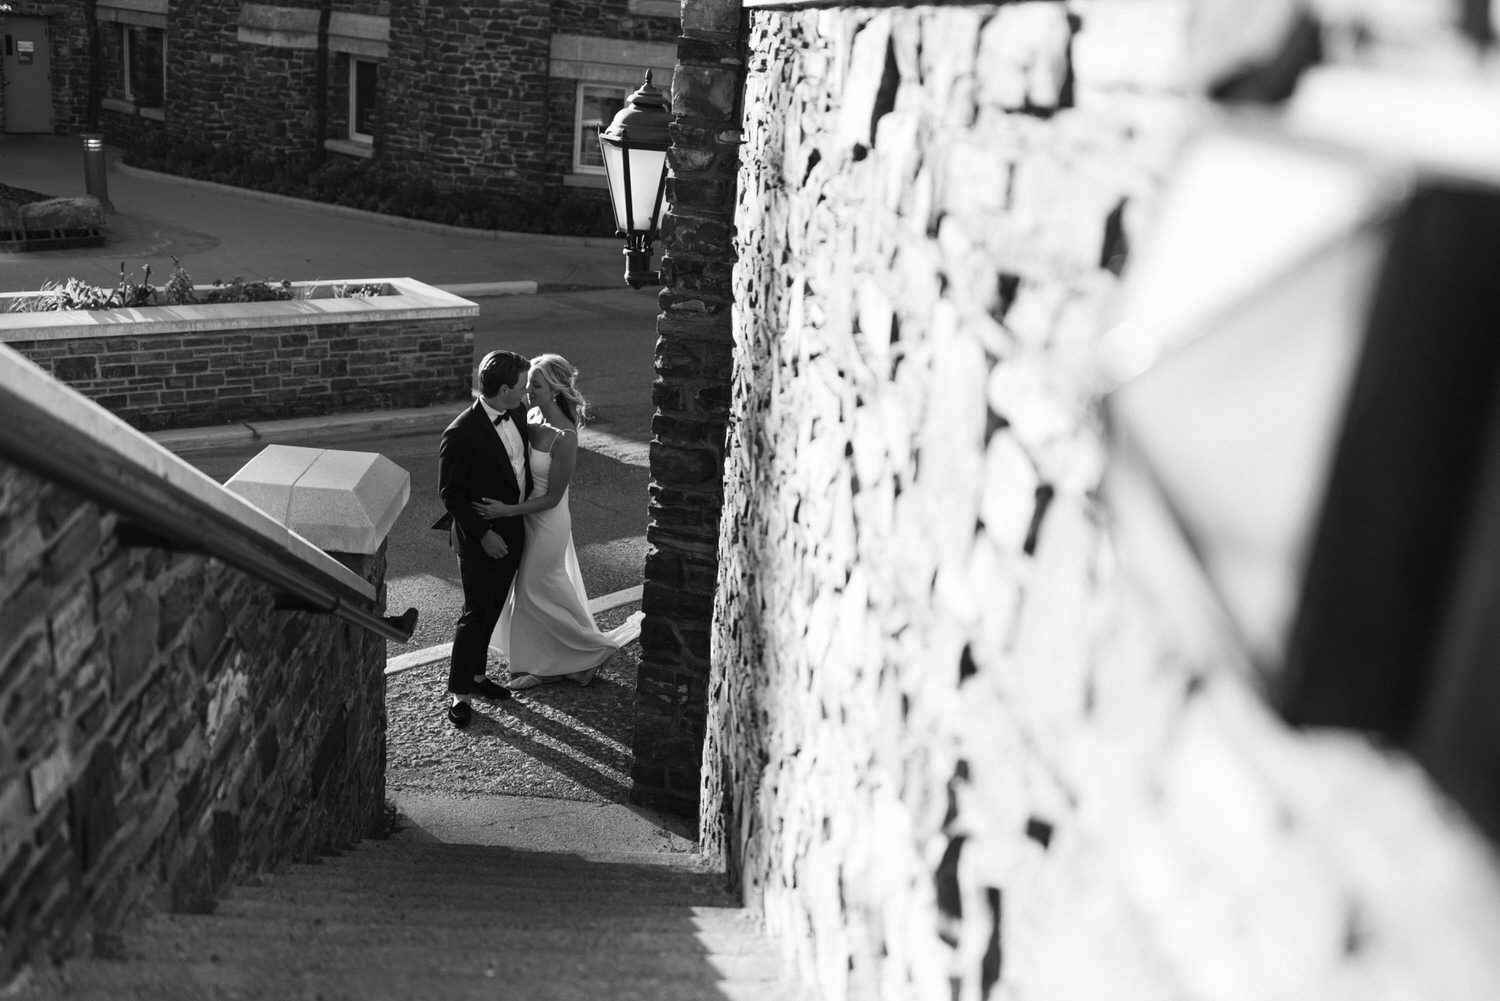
143, 53
597, 105
362, 79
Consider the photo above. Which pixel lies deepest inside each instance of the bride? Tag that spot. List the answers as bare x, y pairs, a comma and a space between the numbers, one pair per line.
546, 631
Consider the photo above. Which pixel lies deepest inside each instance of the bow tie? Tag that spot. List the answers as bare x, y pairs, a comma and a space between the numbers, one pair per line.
497, 420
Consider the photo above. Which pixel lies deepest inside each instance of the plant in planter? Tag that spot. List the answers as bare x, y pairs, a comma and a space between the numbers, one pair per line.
179, 290
75, 293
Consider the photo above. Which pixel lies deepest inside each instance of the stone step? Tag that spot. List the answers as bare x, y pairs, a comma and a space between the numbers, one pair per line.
416, 921
206, 981
227, 937
605, 871
620, 958
537, 912
379, 882
565, 890
402, 848
406, 857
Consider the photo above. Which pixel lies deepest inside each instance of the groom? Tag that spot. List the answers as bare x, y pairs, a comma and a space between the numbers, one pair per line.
483, 454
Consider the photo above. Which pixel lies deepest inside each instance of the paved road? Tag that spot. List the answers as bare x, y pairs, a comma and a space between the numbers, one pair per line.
610, 336
218, 232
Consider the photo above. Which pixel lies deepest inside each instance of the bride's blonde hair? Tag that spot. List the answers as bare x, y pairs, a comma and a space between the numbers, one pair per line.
558, 373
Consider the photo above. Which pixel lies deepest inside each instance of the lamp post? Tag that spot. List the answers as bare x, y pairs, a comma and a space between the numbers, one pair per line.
635, 161
95, 181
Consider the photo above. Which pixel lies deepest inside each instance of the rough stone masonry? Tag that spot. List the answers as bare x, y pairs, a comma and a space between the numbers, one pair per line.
953, 751
163, 728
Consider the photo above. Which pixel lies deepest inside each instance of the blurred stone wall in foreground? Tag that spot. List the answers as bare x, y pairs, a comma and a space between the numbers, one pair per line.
954, 752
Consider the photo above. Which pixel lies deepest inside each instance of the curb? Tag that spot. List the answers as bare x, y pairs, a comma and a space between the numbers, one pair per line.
481, 290
627, 632
433, 418
188, 439
400, 222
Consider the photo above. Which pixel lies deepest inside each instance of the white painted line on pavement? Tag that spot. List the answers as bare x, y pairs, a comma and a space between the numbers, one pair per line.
605, 602
627, 632
628, 450
482, 289
418, 658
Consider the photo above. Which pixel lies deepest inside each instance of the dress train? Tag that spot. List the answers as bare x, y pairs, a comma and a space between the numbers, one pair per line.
546, 632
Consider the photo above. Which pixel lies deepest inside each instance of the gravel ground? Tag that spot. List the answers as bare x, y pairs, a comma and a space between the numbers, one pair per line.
559, 741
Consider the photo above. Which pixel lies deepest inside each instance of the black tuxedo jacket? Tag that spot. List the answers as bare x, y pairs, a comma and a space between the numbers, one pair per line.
472, 464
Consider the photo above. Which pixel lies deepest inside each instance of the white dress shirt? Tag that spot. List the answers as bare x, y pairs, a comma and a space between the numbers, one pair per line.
514, 446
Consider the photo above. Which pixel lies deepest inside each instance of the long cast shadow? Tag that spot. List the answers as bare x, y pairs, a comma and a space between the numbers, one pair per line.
614, 755
500, 725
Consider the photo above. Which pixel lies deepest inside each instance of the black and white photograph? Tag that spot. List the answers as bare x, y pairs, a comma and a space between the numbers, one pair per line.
749, 500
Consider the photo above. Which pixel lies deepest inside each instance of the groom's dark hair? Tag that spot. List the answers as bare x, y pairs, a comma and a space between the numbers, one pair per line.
500, 368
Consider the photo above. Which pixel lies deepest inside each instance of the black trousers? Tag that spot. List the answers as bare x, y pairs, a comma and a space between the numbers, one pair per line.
487, 585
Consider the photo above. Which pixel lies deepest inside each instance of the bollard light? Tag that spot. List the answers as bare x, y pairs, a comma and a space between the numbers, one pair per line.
635, 161
93, 169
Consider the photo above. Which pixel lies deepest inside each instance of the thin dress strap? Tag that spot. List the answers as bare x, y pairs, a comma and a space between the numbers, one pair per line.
556, 434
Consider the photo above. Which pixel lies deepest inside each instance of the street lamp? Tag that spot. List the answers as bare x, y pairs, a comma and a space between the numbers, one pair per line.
635, 161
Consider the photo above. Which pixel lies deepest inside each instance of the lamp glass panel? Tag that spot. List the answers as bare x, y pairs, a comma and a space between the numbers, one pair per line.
645, 179
614, 170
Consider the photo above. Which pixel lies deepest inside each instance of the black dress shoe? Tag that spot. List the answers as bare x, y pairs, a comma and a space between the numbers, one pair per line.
488, 689
459, 714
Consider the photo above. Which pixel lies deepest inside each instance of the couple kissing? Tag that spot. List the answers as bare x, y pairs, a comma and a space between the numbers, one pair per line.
503, 471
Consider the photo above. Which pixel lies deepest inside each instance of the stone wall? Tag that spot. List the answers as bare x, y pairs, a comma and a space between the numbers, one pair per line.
217, 376
470, 90
163, 729
466, 96
219, 90
953, 750
610, 19
694, 360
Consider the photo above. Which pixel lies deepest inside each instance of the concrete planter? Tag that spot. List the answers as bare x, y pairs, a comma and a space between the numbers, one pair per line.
187, 366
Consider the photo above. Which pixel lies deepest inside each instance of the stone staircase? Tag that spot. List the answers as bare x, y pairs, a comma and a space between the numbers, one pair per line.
419, 920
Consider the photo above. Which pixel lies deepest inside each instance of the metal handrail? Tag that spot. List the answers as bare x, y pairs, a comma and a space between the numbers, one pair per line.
35, 438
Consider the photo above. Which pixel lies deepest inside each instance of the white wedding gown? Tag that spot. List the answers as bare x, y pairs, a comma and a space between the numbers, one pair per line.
546, 629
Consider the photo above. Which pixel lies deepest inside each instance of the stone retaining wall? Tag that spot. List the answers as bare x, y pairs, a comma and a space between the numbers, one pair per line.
953, 751
259, 361
163, 729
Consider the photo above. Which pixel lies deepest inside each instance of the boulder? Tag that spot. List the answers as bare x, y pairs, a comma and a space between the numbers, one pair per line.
72, 216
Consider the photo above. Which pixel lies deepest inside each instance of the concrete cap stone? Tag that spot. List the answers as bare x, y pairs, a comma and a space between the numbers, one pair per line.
343, 502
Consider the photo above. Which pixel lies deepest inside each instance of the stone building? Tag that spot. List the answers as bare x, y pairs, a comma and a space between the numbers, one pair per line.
963, 737
472, 96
